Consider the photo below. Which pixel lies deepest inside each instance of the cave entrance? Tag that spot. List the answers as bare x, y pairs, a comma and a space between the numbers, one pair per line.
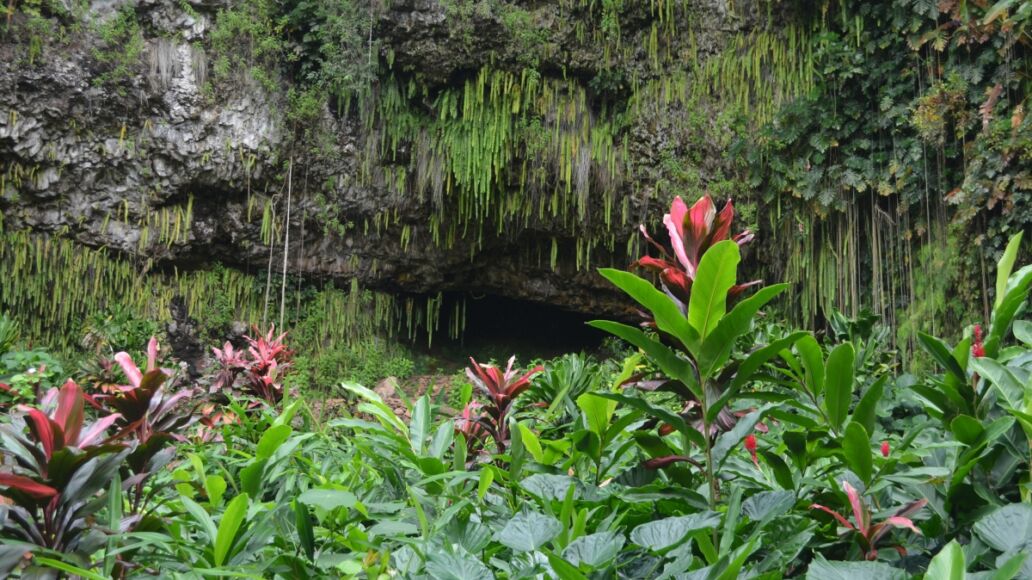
498, 327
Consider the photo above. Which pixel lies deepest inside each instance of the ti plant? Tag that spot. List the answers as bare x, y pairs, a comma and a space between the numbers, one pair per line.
257, 371
868, 533
501, 388
149, 416
696, 332
58, 469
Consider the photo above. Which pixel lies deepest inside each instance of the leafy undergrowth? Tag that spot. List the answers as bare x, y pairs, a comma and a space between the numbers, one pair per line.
718, 447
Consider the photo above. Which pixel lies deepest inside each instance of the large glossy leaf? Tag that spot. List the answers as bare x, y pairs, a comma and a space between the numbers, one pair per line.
667, 416
865, 412
597, 412
1005, 266
594, 550
201, 517
856, 445
716, 348
1007, 528
812, 359
271, 440
747, 370
27, 486
328, 499
667, 314
768, 504
419, 426
948, 564
1001, 377
229, 527
838, 384
528, 531
461, 565
1017, 293
821, 569
941, 353
715, 276
1023, 331
667, 360
666, 533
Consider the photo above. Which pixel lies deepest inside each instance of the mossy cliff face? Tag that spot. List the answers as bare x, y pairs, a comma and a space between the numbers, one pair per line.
480, 147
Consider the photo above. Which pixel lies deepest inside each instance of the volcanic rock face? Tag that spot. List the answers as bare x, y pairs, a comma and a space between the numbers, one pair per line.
112, 163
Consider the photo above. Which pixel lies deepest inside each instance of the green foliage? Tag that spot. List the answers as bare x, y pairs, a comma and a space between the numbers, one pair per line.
118, 49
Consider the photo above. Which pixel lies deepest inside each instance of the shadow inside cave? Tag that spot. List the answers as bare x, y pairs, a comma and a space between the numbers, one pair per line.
497, 328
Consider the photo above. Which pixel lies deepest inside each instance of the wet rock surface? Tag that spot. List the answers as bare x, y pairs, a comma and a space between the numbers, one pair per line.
95, 162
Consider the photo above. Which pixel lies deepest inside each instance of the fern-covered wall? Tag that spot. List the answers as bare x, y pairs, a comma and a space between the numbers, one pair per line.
412, 148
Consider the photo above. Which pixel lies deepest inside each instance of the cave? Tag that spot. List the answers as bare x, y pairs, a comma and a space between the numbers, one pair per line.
496, 327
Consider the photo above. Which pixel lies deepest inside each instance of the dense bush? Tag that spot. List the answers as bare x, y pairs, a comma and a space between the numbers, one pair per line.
718, 448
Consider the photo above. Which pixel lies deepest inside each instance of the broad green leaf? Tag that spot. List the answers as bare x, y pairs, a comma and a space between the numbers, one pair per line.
563, 569
1017, 293
201, 517
812, 358
865, 411
486, 477
948, 564
328, 499
531, 443
667, 360
376, 406
1007, 528
856, 445
663, 534
821, 569
461, 565
667, 416
594, 550
716, 348
271, 440
715, 276
528, 531
597, 412
747, 370
229, 525
1023, 331
305, 533
65, 567
1006, 264
667, 314
419, 426
838, 384
966, 429
766, 505
214, 487
941, 353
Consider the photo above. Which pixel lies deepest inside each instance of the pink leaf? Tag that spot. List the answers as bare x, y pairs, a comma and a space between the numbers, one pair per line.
858, 506
845, 523
132, 372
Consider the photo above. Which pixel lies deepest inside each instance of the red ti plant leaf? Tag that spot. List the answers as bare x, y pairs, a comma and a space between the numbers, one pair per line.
501, 389
31, 488
69, 413
870, 535
45, 432
691, 232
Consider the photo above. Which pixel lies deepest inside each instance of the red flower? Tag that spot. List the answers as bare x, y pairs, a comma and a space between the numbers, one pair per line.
885, 448
750, 446
978, 349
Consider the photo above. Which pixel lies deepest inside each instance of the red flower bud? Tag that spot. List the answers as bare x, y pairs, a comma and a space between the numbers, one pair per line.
885, 448
977, 348
750, 446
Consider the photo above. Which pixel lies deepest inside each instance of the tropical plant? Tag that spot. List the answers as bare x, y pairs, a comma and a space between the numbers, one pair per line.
58, 470
868, 533
696, 334
258, 371
501, 389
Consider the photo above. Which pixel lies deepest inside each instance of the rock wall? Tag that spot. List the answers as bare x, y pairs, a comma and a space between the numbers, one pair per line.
129, 163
